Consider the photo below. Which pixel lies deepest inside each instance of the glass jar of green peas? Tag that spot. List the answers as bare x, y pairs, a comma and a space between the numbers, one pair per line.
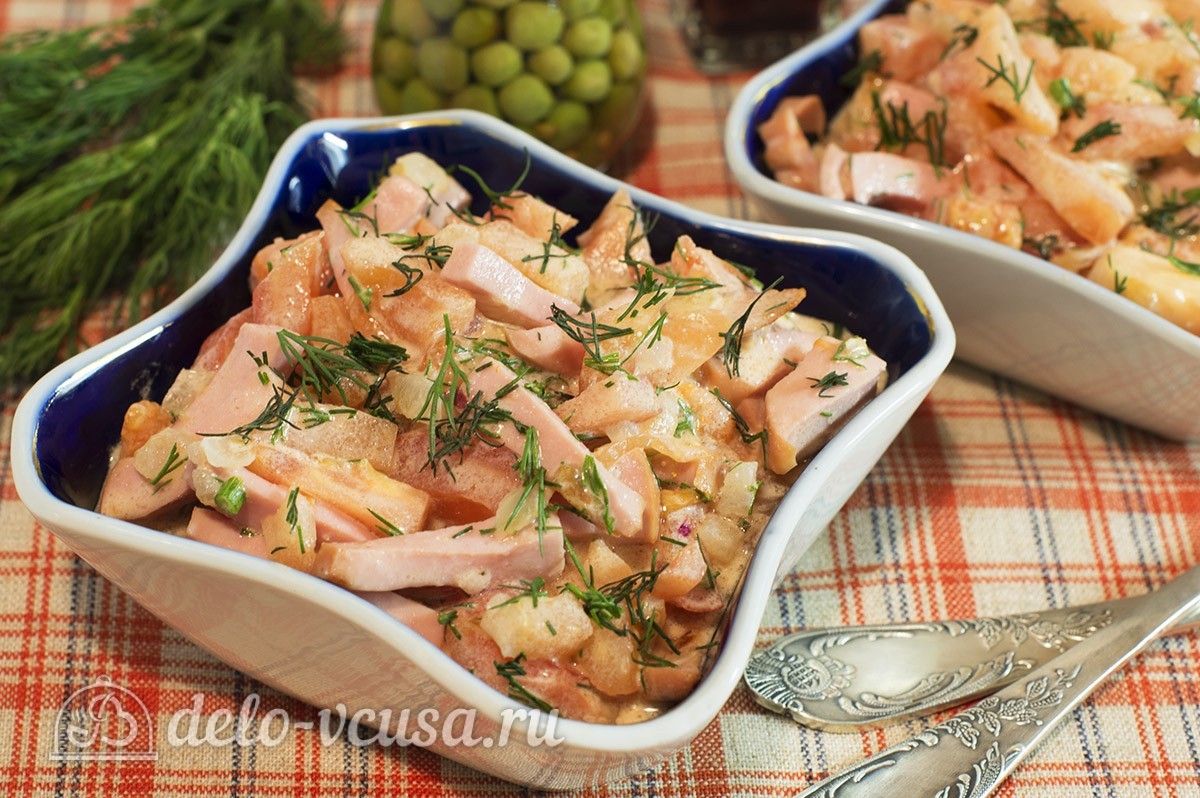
570, 72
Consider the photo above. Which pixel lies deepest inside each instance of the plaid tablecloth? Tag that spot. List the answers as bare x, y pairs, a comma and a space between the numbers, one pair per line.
994, 499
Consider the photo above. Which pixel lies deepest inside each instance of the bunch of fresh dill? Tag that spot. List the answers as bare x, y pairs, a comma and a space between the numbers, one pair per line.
130, 151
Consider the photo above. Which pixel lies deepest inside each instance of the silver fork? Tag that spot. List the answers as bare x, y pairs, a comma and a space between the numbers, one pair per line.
971, 753
843, 679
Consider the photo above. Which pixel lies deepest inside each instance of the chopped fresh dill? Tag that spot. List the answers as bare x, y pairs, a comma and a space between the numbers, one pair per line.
870, 63
731, 351
710, 576
897, 129
533, 590
497, 198
509, 671
533, 484
1058, 25
1101, 131
1071, 103
364, 294
447, 619
385, 526
590, 334
292, 518
1045, 246
595, 486
1000, 71
687, 420
1176, 216
171, 464
964, 36
831, 380
740, 424
1191, 107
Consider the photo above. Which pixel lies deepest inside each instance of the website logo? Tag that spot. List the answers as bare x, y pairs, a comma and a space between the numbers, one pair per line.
103, 721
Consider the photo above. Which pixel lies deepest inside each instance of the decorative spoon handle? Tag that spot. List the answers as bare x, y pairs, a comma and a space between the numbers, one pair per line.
846, 678
972, 752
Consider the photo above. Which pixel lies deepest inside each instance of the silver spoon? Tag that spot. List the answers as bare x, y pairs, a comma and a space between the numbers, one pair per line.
974, 751
846, 678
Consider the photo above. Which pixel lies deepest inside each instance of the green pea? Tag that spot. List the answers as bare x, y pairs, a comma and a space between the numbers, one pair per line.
565, 125
442, 10
574, 9
532, 25
588, 38
442, 64
590, 82
496, 64
496, 4
418, 96
552, 64
411, 21
626, 57
475, 26
396, 59
477, 98
526, 99
391, 99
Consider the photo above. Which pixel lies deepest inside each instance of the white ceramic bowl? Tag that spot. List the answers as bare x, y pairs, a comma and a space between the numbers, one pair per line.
324, 645
1015, 314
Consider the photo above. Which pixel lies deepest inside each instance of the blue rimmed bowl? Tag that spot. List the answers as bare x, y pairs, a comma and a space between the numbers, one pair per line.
1015, 314
324, 645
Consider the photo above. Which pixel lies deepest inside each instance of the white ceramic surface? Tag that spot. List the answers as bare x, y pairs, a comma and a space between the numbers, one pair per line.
325, 646
1014, 313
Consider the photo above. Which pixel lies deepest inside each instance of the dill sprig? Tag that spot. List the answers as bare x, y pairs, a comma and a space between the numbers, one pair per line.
173, 462
130, 151
833, 379
964, 36
589, 334
1058, 25
1176, 216
624, 598
1000, 71
509, 671
497, 199
1102, 130
731, 351
740, 424
1069, 101
533, 487
897, 130
869, 63
452, 424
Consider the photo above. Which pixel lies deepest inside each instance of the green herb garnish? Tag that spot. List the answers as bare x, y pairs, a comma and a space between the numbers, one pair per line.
230, 496
831, 380
172, 463
129, 152
509, 671
871, 62
1060, 92
1100, 131
595, 486
731, 351
1058, 25
1000, 71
